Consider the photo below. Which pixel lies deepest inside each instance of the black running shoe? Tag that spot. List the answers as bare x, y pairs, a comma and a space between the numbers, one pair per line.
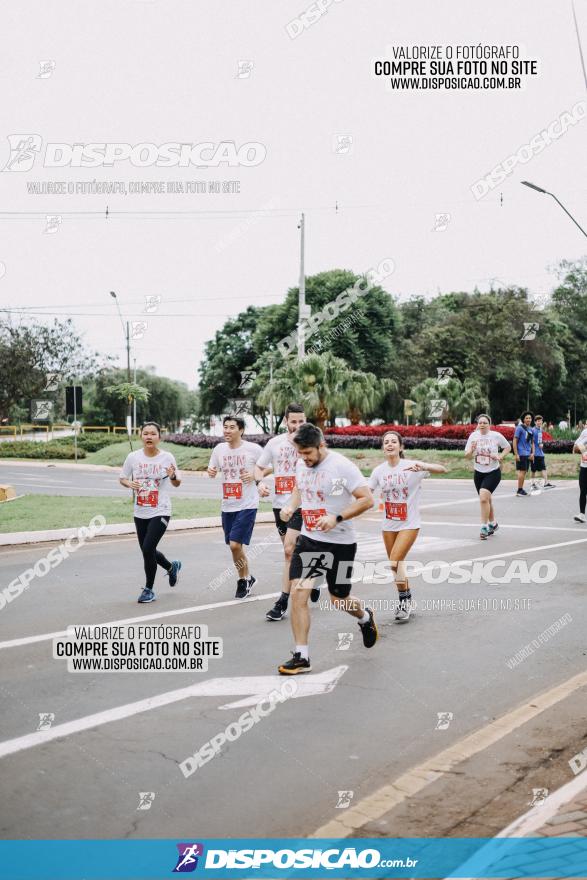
252, 580
521, 493
549, 485
314, 594
173, 572
296, 665
369, 630
243, 588
278, 611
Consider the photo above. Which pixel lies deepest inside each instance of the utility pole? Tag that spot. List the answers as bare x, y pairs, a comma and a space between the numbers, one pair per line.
271, 395
134, 400
128, 350
303, 311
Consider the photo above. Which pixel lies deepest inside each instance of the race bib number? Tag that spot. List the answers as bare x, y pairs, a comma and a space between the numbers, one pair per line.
311, 517
147, 498
232, 490
483, 460
284, 485
396, 510
584, 457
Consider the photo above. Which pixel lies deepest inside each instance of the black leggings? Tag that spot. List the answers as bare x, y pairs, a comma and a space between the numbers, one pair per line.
582, 488
149, 532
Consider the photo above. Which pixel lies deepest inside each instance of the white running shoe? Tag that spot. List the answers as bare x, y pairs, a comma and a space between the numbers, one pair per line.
404, 609
579, 517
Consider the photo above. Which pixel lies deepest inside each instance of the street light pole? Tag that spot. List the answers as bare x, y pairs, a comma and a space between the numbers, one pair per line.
568, 213
302, 295
134, 400
126, 331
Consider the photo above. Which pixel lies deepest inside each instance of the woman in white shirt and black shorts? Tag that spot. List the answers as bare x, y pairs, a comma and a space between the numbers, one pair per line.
488, 449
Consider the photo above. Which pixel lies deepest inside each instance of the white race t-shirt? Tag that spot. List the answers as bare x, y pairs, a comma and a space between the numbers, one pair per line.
487, 444
400, 493
236, 495
282, 455
328, 489
582, 439
153, 498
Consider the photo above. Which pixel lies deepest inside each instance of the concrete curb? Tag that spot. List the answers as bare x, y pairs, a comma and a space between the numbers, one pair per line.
208, 522
19, 462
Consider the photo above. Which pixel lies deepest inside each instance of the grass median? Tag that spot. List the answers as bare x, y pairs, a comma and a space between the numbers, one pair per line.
33, 513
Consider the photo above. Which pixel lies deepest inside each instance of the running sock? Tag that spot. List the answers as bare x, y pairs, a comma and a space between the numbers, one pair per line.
365, 618
284, 599
302, 650
404, 595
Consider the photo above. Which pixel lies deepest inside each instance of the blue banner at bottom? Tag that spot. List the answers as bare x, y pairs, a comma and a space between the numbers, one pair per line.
280, 857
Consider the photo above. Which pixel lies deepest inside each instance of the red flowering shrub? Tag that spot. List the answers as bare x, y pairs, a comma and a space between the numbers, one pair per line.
444, 432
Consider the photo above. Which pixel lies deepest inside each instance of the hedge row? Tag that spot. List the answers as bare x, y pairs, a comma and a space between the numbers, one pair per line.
445, 432
336, 441
40, 449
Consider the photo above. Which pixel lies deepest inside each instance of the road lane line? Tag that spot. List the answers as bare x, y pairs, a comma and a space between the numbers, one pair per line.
375, 806
45, 637
254, 688
29, 640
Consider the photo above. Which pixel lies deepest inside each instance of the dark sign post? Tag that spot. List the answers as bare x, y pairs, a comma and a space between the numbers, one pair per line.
73, 407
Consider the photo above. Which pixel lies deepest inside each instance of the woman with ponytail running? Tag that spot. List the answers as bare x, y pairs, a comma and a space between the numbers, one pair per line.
488, 449
399, 482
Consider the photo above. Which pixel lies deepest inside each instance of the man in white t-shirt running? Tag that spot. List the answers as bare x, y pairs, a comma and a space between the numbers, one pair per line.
280, 456
330, 490
236, 459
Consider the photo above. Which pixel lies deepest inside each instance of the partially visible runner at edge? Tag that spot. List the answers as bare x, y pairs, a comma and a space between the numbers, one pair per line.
148, 472
330, 490
280, 456
580, 446
488, 449
399, 481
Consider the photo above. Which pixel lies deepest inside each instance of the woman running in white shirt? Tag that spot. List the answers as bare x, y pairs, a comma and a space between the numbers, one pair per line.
488, 448
580, 446
399, 482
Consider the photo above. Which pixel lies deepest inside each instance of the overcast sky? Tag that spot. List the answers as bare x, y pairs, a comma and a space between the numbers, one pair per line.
156, 71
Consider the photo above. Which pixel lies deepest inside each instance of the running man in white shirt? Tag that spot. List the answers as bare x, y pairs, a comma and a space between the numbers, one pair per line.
488, 448
330, 490
399, 482
580, 446
236, 459
280, 456
148, 472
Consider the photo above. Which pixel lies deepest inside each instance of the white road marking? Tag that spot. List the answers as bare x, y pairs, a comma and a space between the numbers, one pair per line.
502, 525
254, 687
376, 805
29, 640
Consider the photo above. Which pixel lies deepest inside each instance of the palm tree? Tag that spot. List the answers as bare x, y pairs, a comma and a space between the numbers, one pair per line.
364, 393
460, 399
322, 384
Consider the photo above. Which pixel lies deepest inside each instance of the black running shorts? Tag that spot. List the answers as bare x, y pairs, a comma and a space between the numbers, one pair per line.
316, 559
539, 464
489, 481
523, 463
294, 523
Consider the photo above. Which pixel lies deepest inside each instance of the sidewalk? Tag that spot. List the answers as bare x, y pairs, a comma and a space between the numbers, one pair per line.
32, 462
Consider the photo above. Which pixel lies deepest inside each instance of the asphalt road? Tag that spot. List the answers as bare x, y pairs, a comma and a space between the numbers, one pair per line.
377, 718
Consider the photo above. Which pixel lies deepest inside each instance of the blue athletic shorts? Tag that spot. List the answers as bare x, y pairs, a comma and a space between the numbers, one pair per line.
238, 526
